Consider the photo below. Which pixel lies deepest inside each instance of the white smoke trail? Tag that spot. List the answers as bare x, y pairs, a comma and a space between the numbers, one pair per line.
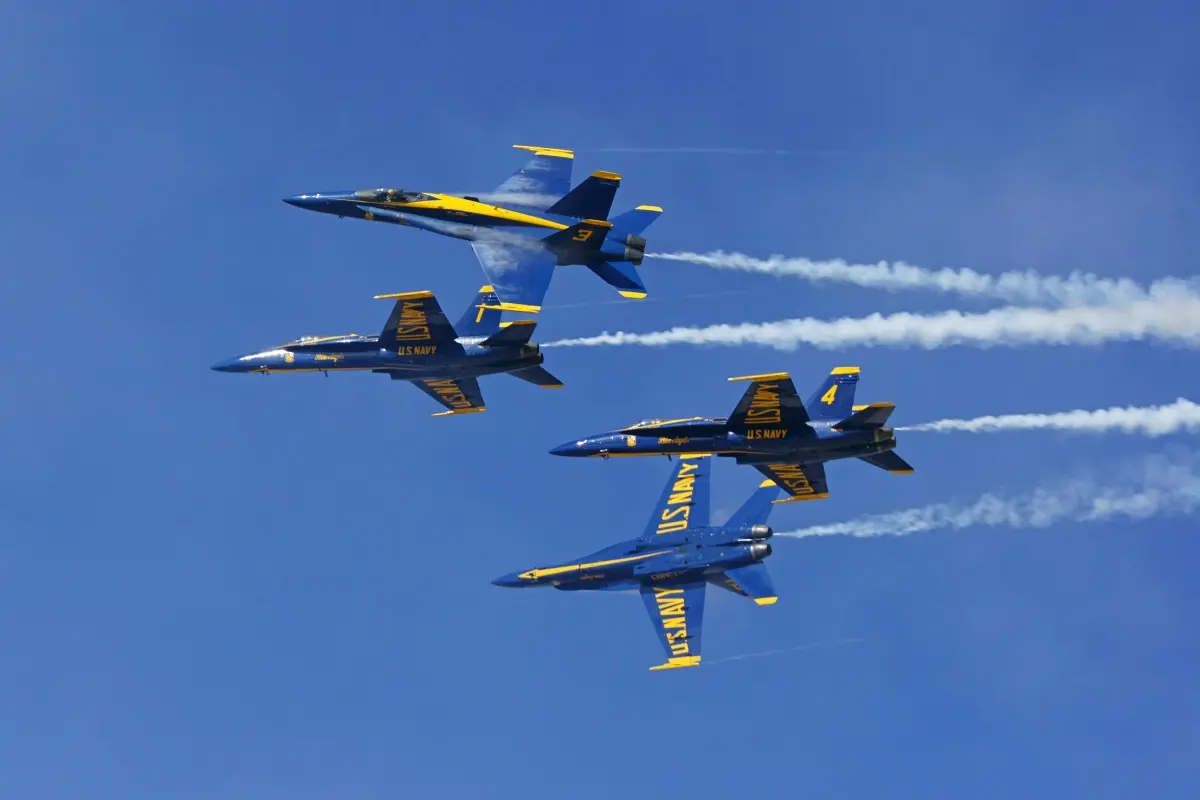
1078, 288
1153, 421
1165, 487
1174, 319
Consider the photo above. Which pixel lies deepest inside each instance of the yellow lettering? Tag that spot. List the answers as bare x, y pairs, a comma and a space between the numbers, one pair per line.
670, 606
661, 592
680, 649
827, 398
582, 236
671, 527
669, 514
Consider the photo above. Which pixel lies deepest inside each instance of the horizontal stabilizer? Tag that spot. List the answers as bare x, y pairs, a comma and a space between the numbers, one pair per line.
890, 461
591, 199
512, 334
872, 416
538, 377
637, 220
622, 276
586, 235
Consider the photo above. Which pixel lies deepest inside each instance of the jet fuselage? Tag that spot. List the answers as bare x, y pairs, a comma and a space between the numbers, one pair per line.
470, 219
694, 552
412, 362
826, 445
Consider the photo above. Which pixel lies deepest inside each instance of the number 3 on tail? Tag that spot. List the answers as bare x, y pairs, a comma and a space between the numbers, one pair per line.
827, 398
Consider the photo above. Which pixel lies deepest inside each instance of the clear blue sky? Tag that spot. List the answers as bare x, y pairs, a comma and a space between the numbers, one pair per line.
244, 587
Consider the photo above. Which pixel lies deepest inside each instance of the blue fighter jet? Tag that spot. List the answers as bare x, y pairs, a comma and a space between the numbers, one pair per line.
530, 224
770, 430
418, 344
677, 555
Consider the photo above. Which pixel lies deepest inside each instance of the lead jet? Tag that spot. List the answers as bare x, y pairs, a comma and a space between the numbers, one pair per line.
520, 232
418, 344
675, 558
770, 430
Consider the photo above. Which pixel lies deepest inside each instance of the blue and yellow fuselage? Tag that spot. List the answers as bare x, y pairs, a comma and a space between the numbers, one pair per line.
472, 219
351, 352
676, 557
815, 442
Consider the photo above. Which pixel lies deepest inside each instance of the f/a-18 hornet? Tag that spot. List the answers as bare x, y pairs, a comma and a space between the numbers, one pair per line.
418, 344
770, 430
673, 560
521, 231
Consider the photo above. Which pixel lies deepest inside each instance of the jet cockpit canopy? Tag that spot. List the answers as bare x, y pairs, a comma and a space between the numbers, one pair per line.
391, 196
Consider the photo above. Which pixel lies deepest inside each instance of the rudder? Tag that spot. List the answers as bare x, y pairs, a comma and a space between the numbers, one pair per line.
637, 220
835, 397
482, 317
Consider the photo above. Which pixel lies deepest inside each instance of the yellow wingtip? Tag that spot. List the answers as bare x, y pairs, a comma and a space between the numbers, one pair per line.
802, 498
405, 295
766, 601
634, 295
608, 176
487, 288
768, 376
538, 150
650, 208
901, 471
845, 371
456, 411
502, 306
678, 662
766, 483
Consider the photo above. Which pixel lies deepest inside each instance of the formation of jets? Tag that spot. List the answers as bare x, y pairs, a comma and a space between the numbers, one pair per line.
531, 224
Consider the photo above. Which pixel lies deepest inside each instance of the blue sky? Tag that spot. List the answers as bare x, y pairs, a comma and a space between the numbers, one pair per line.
234, 586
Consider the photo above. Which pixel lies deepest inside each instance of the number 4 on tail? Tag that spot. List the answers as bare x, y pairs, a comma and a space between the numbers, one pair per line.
827, 398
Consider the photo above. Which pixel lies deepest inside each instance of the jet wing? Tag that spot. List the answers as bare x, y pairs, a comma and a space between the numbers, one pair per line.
541, 182
801, 481
685, 499
677, 614
417, 326
459, 396
519, 273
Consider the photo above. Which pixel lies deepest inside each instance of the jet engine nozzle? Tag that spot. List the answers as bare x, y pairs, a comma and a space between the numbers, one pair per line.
760, 550
759, 532
636, 242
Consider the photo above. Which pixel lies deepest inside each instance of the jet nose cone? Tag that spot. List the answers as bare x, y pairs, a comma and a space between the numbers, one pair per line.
228, 365
570, 449
303, 201
508, 581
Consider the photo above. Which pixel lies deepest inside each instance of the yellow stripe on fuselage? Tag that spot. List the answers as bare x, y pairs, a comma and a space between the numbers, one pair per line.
468, 208
534, 574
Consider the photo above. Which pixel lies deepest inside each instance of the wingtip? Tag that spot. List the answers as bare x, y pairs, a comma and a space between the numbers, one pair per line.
538, 150
678, 662
456, 411
766, 601
767, 376
802, 498
845, 371
424, 293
